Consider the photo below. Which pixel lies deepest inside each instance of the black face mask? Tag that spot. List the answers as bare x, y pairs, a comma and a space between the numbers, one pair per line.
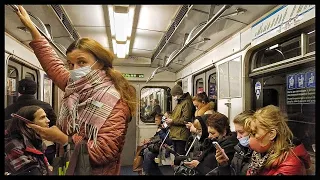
207, 143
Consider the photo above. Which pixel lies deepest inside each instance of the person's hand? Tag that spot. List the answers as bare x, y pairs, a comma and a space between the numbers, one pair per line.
50, 168
53, 133
193, 129
159, 129
145, 141
189, 124
25, 19
169, 121
221, 159
192, 164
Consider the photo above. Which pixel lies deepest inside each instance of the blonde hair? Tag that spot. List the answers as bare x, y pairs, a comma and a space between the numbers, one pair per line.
242, 117
106, 58
271, 118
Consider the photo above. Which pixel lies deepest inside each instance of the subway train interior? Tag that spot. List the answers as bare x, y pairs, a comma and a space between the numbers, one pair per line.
243, 56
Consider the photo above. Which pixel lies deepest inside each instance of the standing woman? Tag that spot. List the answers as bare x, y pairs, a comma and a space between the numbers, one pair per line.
98, 102
272, 143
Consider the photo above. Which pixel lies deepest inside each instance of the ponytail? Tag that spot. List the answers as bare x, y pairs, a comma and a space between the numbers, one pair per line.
127, 91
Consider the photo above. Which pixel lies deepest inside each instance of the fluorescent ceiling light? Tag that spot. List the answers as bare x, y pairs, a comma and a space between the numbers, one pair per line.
121, 50
121, 26
121, 22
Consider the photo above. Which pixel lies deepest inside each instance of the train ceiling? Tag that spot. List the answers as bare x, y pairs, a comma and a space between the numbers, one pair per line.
157, 30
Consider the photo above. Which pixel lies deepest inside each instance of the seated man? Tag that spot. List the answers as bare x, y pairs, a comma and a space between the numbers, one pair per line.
150, 167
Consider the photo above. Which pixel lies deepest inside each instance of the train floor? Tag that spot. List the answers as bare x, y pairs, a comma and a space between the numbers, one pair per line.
127, 171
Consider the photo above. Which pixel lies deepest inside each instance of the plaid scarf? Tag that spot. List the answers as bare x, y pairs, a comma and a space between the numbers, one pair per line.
257, 162
87, 103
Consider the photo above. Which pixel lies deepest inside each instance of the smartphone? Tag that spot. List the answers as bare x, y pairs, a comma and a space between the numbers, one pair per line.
21, 118
217, 146
165, 125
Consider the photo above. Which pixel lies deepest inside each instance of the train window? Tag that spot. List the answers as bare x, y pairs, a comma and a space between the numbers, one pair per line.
12, 85
278, 52
293, 92
224, 80
311, 41
235, 77
154, 100
200, 86
230, 79
30, 76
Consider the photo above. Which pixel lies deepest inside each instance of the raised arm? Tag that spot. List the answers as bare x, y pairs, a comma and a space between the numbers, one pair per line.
46, 55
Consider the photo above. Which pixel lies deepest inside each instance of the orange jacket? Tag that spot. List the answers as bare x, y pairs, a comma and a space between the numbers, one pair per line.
105, 157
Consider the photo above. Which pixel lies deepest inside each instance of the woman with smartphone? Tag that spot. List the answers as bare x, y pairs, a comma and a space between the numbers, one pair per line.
242, 157
219, 132
24, 148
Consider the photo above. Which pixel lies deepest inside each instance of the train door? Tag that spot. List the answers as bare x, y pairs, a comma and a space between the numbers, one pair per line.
15, 72
211, 84
283, 74
206, 82
199, 84
129, 147
229, 93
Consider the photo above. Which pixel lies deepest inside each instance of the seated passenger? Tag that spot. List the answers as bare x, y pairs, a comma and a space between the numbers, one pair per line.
24, 148
150, 167
202, 104
242, 157
272, 143
219, 131
199, 129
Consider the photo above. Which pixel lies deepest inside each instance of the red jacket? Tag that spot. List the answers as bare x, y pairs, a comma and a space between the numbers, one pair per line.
105, 158
296, 163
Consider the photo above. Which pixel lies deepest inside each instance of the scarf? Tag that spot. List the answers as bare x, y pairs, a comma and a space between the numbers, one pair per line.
87, 103
257, 162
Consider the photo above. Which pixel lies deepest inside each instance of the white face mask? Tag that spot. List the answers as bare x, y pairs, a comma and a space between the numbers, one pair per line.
76, 74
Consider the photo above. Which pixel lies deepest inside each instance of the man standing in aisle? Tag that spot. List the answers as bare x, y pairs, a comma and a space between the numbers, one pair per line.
181, 114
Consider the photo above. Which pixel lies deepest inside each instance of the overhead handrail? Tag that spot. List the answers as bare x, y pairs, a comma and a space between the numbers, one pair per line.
46, 34
212, 20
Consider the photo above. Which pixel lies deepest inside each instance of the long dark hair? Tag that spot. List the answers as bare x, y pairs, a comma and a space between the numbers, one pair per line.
18, 128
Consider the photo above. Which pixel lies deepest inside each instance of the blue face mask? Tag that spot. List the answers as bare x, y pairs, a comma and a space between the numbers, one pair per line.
244, 141
80, 72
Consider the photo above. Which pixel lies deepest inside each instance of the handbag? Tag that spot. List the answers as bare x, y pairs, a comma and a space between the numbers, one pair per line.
138, 160
74, 161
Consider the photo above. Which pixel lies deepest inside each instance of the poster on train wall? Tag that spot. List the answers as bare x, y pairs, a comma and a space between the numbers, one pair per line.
212, 91
200, 90
281, 20
47, 88
301, 88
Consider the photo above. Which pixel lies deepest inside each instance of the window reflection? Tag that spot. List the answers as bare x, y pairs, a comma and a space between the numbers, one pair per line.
154, 101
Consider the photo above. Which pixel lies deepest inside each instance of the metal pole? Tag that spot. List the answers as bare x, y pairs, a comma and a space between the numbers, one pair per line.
212, 20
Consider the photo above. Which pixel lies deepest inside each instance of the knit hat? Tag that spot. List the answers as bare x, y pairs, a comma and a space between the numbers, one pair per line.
27, 86
176, 90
